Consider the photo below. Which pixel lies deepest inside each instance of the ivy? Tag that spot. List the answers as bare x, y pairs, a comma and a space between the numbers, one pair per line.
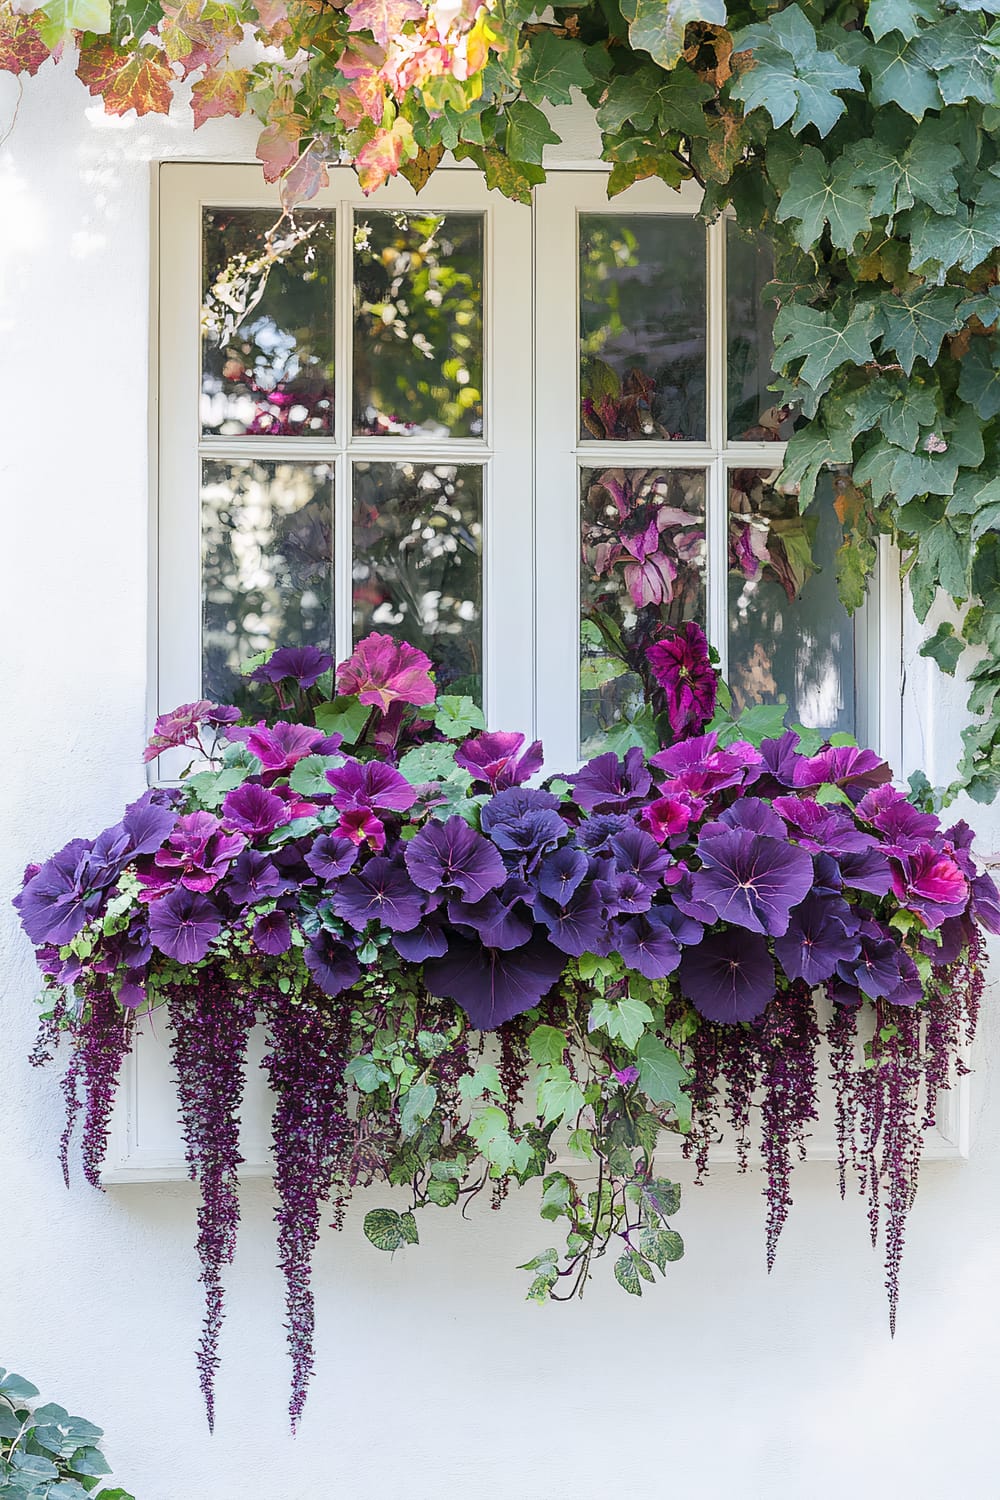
862, 140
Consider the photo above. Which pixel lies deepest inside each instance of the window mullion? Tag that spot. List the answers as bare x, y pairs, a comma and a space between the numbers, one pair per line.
342, 513
717, 517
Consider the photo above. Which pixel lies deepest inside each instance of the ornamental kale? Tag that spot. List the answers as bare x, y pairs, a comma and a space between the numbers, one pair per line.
648, 934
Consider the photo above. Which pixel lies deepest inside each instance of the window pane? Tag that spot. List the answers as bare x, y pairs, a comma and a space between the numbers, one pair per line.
418, 563
642, 327
418, 325
790, 638
643, 567
267, 324
752, 410
266, 569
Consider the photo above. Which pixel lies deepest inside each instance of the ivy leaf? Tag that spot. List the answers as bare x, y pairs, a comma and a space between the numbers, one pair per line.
219, 93
901, 73
942, 558
790, 76
662, 1197
904, 16
383, 1227
944, 647
902, 172
626, 1272
964, 67
809, 449
557, 1195
559, 1095
63, 17
456, 717
141, 81
916, 322
416, 1106
528, 132
662, 1076
624, 1020
22, 49
965, 239
819, 194
546, 1045
490, 1129
649, 100
979, 381
554, 65
385, 19
658, 26
823, 340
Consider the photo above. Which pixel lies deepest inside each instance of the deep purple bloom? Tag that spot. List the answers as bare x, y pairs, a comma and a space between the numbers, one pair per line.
596, 833
498, 760
181, 726
333, 965
429, 940
331, 856
752, 880
855, 770
682, 668
492, 986
985, 902
822, 933
951, 936
637, 853
381, 892
651, 943
606, 782
306, 664
780, 757
561, 872
500, 920
751, 814
384, 671
669, 817
867, 871
578, 925
184, 924
533, 833
828, 829
454, 856
54, 905
196, 855
904, 826
370, 784
931, 884
254, 877
876, 969
147, 822
909, 991
253, 810
699, 767
728, 977
512, 805
272, 932
623, 894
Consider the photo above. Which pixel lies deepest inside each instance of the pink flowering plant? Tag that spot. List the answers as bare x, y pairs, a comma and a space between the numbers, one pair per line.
472, 976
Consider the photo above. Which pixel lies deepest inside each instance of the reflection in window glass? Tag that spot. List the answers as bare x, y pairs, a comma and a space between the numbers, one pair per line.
643, 567
266, 570
418, 563
753, 412
790, 638
642, 327
418, 324
267, 324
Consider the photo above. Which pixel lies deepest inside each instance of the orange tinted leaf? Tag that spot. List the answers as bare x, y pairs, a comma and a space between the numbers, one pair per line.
141, 80
278, 147
198, 35
384, 18
418, 171
21, 48
217, 94
380, 157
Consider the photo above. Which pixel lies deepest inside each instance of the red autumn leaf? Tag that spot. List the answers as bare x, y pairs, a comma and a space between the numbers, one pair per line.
384, 18
217, 94
21, 48
197, 34
278, 147
365, 97
275, 26
304, 180
141, 80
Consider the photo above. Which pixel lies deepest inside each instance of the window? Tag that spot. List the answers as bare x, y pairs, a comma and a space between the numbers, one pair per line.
495, 431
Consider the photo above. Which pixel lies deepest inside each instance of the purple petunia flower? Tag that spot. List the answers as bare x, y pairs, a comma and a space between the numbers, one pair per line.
147, 822
454, 857
651, 943
867, 871
54, 903
855, 770
492, 986
253, 810
985, 902
183, 924
780, 757
361, 826
751, 879
305, 664
532, 834
626, 1076
561, 872
384, 671
578, 925
500, 920
699, 768
182, 725
381, 892
623, 894
751, 814
196, 855
636, 853
876, 970
594, 835
512, 805
830, 829
682, 667
822, 933
931, 884
729, 977
272, 933
426, 941
370, 784
606, 782
331, 856
909, 991
669, 817
281, 746
254, 877
333, 965
903, 826
497, 760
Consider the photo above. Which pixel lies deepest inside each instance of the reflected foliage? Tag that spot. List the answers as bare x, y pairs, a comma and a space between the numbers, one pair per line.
753, 413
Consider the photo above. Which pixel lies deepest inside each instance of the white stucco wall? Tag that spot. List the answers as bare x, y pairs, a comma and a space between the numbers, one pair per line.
435, 1379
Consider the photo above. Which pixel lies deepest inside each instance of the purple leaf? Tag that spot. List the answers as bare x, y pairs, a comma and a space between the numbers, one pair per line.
381, 892
453, 856
253, 810
183, 925
729, 977
752, 880
492, 986
606, 782
331, 856
384, 671
370, 784
497, 759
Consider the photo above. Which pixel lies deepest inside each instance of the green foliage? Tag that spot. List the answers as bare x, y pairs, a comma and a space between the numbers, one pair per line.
45, 1452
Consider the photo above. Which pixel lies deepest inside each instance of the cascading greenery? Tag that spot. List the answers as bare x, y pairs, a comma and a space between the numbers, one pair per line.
862, 140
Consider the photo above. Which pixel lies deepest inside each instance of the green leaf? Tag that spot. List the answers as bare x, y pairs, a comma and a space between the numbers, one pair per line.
900, 69
89, 1461
442, 1193
979, 380
433, 762
559, 1095
557, 1195
547, 1045
964, 67
809, 449
624, 1020
66, 16
824, 340
490, 1129
595, 671
904, 16
345, 716
819, 194
902, 171
964, 239
581, 1143
626, 1274
553, 67
791, 77
898, 407
662, 1197
658, 26
945, 647
432, 1043
916, 322
366, 1074
662, 1076
765, 721
383, 1227
485, 1080
408, 1229
457, 717
141, 16
210, 787
16, 1389
641, 731
308, 775
416, 1106
528, 132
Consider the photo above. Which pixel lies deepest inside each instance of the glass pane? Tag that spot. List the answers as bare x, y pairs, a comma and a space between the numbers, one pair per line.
642, 327
417, 567
418, 325
267, 323
266, 565
790, 638
643, 567
753, 413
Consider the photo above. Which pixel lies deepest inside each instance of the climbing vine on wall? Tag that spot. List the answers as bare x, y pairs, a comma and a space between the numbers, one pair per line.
862, 139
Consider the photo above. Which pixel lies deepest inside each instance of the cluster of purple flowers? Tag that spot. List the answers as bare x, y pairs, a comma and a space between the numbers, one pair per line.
732, 868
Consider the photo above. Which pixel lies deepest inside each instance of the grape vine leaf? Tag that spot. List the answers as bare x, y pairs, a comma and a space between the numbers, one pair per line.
277, 148
965, 239
979, 381
904, 16
658, 26
528, 132
916, 322
218, 93
965, 70
139, 80
22, 49
944, 647
647, 99
384, 18
824, 340
810, 450
901, 72
899, 408
553, 66
902, 173
791, 77
662, 1075
63, 17
819, 194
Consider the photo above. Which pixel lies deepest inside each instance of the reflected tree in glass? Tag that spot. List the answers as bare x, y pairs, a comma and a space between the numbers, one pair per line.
642, 327
267, 324
642, 569
267, 554
418, 563
418, 325
790, 638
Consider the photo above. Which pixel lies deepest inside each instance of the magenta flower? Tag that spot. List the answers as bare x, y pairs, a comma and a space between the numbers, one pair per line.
931, 884
281, 746
182, 725
497, 759
855, 770
384, 671
698, 767
254, 810
370, 784
670, 816
183, 925
650, 577
361, 826
625, 1076
196, 855
681, 665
